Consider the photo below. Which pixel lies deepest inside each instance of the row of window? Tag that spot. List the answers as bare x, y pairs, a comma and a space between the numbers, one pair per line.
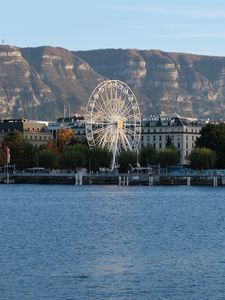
197, 130
38, 137
160, 145
166, 137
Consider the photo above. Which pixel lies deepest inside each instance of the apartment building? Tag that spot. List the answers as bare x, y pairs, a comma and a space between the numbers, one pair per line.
35, 132
182, 132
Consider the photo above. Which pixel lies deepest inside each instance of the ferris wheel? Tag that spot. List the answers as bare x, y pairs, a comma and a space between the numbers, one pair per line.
113, 118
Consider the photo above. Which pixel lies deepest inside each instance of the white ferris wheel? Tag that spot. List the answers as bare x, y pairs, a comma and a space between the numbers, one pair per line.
113, 118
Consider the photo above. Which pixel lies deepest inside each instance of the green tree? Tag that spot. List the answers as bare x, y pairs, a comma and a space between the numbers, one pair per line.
168, 156
21, 151
148, 155
127, 159
45, 158
202, 158
99, 158
213, 137
73, 157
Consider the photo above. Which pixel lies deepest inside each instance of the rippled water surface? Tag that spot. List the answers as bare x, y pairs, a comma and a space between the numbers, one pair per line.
110, 242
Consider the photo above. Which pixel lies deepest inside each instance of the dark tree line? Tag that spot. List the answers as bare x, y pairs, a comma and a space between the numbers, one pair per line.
213, 138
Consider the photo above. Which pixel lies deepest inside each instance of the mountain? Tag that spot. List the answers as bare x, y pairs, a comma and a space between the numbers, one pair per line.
37, 83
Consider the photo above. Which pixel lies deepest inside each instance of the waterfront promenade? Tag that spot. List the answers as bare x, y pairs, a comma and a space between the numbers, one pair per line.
125, 179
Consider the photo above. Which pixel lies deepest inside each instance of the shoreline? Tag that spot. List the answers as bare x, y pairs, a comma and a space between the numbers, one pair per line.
113, 179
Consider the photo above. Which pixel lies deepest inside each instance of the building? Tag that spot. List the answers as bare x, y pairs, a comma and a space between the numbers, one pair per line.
34, 132
182, 132
157, 130
76, 122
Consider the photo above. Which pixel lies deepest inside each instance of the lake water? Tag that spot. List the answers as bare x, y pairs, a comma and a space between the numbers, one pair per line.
110, 242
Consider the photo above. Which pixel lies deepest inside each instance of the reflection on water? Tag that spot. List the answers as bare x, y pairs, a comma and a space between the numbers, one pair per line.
109, 242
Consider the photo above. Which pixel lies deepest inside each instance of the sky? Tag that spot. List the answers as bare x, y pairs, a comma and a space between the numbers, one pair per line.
191, 26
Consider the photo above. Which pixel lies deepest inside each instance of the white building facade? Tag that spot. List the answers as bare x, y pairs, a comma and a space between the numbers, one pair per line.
182, 132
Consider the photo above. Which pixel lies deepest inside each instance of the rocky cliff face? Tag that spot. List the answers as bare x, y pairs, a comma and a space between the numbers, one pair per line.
36, 83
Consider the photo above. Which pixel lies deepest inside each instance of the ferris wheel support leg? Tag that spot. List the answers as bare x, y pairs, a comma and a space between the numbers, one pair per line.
114, 151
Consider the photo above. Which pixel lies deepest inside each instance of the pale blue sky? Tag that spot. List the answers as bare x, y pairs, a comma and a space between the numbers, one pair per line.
195, 26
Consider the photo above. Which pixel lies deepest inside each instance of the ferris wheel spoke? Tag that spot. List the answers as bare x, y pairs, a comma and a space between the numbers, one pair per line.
98, 123
102, 108
101, 137
123, 140
99, 118
101, 105
102, 129
127, 111
107, 106
127, 142
128, 131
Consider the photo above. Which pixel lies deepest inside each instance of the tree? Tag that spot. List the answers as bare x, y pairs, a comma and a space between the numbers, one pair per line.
99, 158
202, 158
45, 158
51, 146
73, 157
213, 137
168, 156
127, 159
64, 138
148, 155
168, 141
2, 156
21, 151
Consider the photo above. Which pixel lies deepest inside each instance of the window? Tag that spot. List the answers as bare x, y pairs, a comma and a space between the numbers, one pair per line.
160, 137
160, 145
178, 145
153, 137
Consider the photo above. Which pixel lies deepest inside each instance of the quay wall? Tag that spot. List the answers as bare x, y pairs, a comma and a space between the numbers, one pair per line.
112, 179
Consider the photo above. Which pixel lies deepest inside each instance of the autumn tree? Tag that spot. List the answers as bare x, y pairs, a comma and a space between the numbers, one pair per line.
64, 138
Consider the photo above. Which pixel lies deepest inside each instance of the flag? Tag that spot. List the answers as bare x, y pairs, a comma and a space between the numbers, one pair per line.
7, 155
